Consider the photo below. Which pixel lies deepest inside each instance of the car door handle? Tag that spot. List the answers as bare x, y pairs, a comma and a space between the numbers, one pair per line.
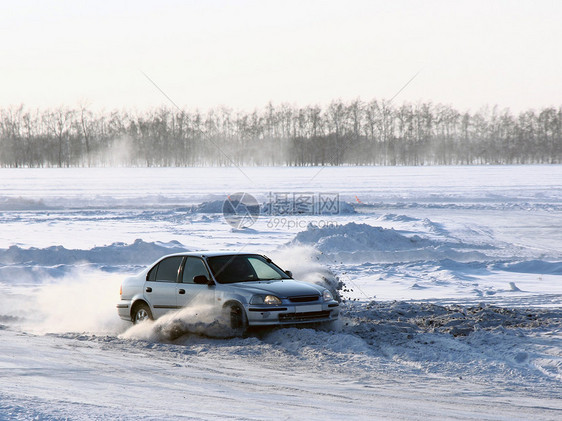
181, 291
148, 289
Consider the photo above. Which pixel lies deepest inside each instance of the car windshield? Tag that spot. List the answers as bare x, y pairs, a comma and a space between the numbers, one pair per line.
244, 268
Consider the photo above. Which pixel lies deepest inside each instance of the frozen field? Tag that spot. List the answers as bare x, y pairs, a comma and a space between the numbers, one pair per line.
451, 279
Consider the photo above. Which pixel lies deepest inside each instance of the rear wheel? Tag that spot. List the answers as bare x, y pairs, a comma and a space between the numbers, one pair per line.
141, 312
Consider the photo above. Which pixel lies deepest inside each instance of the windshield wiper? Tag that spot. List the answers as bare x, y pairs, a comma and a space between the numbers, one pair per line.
257, 280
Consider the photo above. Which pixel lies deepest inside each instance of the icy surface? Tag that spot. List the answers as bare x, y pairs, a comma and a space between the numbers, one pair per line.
451, 281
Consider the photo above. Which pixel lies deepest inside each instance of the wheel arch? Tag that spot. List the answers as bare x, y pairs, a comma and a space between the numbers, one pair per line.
136, 303
233, 302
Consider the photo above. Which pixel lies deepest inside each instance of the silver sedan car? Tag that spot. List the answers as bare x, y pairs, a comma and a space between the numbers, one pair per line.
247, 289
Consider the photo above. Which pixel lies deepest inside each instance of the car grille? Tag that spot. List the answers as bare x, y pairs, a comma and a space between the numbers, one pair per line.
304, 298
302, 317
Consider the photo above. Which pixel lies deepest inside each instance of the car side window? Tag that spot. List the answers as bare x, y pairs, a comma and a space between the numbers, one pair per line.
193, 267
166, 271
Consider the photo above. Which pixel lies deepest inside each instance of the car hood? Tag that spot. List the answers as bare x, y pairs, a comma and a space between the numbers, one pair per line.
282, 288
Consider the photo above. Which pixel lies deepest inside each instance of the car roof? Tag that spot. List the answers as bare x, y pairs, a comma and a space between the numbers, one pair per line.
212, 253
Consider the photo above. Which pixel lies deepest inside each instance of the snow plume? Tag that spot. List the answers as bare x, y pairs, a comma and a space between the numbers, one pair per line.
83, 300
117, 153
200, 320
305, 264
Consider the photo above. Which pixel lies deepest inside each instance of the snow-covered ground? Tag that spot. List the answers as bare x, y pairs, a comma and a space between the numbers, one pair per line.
451, 280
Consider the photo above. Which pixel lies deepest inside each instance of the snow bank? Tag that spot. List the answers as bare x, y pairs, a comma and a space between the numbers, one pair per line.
354, 237
359, 243
211, 206
21, 266
21, 203
139, 252
532, 266
397, 218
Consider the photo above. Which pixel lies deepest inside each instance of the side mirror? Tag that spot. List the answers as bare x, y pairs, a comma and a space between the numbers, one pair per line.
289, 274
202, 280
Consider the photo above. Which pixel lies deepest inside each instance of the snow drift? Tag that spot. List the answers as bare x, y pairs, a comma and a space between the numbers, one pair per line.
359, 243
138, 252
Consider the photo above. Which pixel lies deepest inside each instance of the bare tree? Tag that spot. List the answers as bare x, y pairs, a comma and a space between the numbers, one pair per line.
359, 133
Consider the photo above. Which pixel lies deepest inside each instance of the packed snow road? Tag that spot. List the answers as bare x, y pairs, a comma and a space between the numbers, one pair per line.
391, 361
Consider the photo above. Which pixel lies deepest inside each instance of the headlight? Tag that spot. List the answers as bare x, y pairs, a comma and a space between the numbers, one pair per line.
327, 295
270, 300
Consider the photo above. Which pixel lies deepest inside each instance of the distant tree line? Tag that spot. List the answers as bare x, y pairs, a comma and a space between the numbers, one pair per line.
342, 133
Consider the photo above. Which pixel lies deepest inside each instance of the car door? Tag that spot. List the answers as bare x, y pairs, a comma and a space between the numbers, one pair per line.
190, 293
160, 288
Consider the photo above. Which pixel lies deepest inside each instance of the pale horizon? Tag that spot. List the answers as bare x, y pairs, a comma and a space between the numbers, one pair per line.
245, 54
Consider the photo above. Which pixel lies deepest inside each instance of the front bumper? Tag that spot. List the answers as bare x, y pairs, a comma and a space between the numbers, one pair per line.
292, 314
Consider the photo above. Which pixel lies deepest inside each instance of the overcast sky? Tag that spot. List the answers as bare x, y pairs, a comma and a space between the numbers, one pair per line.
243, 54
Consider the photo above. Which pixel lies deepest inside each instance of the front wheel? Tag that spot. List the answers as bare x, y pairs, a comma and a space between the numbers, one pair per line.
141, 313
235, 318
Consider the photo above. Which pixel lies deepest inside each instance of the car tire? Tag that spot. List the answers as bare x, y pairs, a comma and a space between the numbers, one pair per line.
235, 318
141, 312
